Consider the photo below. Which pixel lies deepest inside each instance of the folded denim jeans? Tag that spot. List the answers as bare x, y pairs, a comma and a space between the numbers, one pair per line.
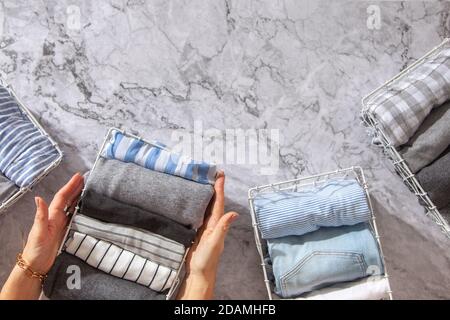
432, 138
179, 199
336, 203
108, 210
7, 189
119, 262
144, 243
158, 157
435, 180
62, 283
323, 258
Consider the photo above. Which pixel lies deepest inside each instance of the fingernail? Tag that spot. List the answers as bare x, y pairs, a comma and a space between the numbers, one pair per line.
36, 200
220, 173
234, 217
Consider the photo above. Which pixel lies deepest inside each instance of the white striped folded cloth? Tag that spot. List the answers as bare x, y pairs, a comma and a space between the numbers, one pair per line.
157, 157
336, 203
25, 152
118, 262
142, 242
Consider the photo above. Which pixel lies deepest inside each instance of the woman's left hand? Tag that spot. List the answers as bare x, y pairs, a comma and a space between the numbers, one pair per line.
50, 225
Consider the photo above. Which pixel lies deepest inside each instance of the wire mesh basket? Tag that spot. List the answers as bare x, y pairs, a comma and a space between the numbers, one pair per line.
401, 167
301, 184
180, 272
20, 192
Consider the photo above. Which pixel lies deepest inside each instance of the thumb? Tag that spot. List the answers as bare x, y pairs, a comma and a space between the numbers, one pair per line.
224, 223
41, 218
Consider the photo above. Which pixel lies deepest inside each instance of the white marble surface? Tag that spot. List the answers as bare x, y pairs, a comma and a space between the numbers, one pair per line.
298, 66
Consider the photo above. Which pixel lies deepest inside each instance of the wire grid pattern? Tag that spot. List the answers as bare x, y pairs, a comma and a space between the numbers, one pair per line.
400, 165
16, 196
303, 183
173, 289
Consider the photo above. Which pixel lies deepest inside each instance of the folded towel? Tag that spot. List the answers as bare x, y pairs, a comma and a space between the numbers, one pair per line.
7, 189
323, 258
370, 288
25, 153
435, 180
432, 138
176, 198
336, 203
94, 284
402, 105
144, 243
157, 157
119, 262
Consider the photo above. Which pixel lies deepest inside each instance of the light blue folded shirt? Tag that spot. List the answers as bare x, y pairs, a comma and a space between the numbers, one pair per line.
158, 157
336, 203
324, 257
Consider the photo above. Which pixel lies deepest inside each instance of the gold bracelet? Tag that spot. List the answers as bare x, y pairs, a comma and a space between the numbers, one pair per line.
33, 274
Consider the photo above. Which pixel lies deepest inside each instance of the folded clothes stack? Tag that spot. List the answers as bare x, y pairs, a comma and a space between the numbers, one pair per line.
25, 153
139, 212
320, 238
414, 112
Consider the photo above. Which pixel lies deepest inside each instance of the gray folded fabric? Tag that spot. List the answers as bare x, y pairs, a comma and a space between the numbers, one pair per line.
106, 209
435, 180
7, 188
432, 138
176, 198
95, 284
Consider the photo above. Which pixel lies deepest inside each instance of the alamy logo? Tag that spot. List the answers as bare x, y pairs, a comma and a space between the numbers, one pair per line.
374, 18
74, 280
257, 148
73, 17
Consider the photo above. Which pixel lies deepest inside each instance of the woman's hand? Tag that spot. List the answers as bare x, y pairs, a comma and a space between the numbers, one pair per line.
203, 258
49, 226
43, 241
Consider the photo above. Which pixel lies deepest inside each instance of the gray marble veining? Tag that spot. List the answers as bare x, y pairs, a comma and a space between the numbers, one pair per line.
302, 67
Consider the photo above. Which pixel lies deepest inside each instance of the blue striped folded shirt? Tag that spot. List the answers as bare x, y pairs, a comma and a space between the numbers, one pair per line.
24, 151
157, 157
336, 203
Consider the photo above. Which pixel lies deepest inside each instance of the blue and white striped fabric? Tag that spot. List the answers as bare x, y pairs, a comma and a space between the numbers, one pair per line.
24, 152
336, 203
157, 157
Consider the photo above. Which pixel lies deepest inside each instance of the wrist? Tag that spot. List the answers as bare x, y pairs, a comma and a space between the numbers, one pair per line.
198, 287
36, 261
29, 268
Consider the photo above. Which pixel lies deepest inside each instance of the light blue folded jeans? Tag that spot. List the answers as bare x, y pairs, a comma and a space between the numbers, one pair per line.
324, 257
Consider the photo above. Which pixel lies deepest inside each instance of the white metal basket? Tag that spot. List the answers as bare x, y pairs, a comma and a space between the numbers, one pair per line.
400, 165
179, 275
300, 184
16, 196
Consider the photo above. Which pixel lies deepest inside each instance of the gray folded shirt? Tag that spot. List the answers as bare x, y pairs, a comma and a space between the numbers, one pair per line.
432, 138
7, 188
435, 180
94, 284
106, 209
176, 198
